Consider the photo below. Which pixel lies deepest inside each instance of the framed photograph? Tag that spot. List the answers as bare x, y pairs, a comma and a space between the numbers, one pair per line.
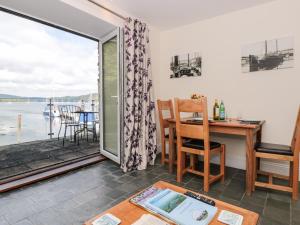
268, 55
186, 65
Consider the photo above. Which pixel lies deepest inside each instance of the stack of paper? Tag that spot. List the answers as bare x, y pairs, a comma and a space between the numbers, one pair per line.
148, 219
142, 197
107, 219
230, 218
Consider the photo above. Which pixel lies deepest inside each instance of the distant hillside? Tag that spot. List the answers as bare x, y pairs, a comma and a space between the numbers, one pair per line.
93, 96
14, 98
8, 96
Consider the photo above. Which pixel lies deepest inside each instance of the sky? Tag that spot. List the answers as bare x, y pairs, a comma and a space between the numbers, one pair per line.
37, 60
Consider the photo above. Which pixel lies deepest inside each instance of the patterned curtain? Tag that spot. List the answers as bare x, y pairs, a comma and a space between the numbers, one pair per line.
140, 145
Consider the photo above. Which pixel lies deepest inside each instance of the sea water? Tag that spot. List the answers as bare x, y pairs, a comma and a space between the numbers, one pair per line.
33, 125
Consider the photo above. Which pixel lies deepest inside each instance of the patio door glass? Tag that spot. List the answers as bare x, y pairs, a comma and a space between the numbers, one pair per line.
38, 63
109, 95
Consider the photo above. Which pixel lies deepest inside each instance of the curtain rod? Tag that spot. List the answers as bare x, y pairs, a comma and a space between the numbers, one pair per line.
107, 9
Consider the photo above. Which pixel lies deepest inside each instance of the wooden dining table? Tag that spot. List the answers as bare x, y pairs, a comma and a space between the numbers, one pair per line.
251, 132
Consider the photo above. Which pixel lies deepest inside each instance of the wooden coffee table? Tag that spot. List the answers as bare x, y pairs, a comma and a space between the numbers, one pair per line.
128, 213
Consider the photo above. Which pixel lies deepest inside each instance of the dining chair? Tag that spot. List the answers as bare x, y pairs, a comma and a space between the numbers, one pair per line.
167, 108
281, 153
198, 142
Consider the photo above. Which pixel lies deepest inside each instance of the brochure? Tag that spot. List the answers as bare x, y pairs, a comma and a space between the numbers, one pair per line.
181, 209
107, 219
230, 218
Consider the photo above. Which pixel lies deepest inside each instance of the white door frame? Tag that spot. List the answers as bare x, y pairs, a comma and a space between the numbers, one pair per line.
105, 152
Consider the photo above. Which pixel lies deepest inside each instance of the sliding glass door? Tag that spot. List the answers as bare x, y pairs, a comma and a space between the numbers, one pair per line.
110, 89
40, 62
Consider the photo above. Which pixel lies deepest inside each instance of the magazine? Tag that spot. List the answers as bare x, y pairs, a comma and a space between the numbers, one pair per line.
142, 197
181, 209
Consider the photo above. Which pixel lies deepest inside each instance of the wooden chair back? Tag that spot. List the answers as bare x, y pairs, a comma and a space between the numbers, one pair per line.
296, 137
164, 106
196, 131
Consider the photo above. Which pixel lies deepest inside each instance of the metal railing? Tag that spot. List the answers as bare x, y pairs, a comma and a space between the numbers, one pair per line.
50, 105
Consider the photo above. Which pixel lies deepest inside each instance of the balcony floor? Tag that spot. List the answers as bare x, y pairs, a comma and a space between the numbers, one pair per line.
26, 157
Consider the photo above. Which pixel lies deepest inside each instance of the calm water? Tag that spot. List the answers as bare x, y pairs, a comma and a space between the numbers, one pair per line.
34, 125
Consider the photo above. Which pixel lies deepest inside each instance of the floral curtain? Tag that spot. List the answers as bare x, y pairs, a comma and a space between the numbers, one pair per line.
140, 144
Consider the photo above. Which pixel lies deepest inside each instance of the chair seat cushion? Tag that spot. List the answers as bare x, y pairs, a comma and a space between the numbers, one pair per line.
199, 144
167, 136
72, 124
273, 149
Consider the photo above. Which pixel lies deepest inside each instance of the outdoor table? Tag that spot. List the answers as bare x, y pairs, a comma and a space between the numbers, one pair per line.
84, 128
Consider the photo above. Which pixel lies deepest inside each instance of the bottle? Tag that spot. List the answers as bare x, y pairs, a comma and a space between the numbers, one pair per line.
222, 111
216, 110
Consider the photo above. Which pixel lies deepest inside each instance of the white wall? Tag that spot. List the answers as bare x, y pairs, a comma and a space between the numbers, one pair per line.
270, 95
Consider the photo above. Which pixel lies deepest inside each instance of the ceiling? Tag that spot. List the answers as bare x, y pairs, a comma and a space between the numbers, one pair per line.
61, 14
163, 14
167, 14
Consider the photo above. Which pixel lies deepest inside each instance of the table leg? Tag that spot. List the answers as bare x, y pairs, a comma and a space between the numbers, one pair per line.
258, 140
249, 161
258, 135
171, 147
256, 161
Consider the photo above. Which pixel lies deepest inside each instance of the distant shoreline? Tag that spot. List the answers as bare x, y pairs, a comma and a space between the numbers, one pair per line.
87, 97
30, 100
21, 100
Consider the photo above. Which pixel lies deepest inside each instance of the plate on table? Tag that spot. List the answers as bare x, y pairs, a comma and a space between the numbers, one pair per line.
249, 121
197, 119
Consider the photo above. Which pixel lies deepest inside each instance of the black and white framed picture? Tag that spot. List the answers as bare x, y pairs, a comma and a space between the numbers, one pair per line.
186, 65
268, 55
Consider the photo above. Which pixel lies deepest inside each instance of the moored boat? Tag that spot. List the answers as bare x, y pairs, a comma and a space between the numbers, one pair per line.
54, 111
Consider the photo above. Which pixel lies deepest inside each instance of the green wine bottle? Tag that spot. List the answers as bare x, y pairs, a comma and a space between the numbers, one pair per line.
222, 111
216, 110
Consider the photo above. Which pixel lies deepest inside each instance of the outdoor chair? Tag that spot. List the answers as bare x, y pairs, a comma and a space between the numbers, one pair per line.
70, 119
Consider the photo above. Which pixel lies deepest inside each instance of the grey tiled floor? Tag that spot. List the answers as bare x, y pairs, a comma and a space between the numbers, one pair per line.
75, 197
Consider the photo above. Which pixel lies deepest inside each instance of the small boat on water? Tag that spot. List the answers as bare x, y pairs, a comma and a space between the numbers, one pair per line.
54, 111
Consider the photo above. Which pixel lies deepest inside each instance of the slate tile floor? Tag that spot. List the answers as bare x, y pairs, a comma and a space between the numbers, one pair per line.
76, 197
